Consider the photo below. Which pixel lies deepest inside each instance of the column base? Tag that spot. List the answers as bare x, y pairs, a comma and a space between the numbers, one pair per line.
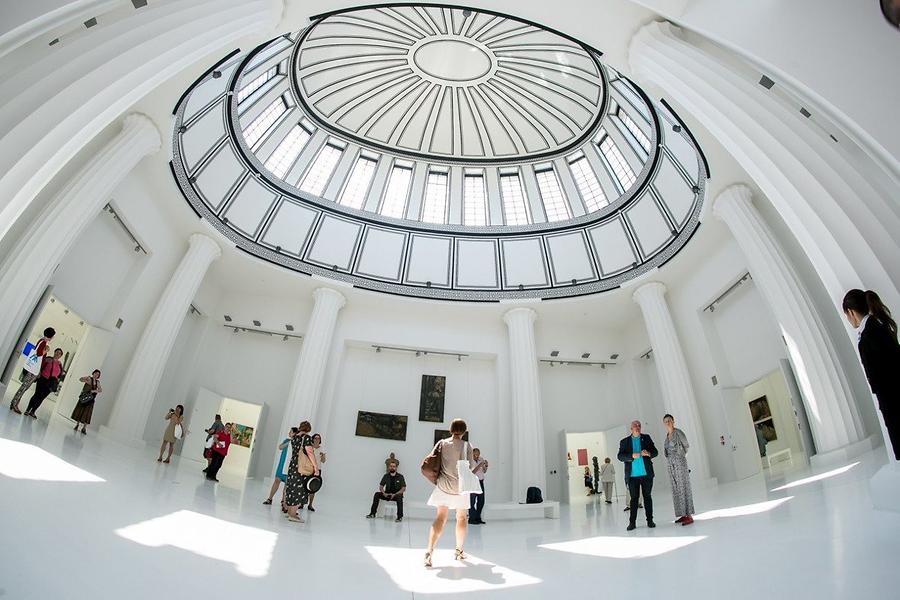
115, 436
843, 454
885, 487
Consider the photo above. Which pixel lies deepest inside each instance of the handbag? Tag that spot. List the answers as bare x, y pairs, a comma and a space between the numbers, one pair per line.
209, 442
179, 431
431, 464
313, 484
304, 464
88, 396
33, 363
468, 481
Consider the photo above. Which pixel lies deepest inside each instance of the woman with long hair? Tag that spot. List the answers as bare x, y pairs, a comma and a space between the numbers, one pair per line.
446, 493
675, 448
174, 430
84, 407
321, 457
879, 354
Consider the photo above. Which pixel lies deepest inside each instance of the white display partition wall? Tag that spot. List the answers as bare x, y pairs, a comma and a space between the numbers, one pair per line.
240, 458
92, 351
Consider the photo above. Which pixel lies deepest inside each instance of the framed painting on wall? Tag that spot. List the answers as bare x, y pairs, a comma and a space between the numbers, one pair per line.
431, 399
442, 434
380, 425
241, 435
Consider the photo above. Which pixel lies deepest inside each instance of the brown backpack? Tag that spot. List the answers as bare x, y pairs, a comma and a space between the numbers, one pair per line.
431, 464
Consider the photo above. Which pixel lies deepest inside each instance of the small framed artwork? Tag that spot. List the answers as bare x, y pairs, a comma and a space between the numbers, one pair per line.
759, 409
380, 425
431, 399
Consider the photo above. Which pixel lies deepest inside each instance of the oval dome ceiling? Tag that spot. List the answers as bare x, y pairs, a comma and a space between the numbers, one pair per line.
440, 83
438, 152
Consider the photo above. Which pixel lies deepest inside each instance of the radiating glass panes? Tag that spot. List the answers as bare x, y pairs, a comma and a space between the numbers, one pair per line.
514, 209
279, 163
474, 201
394, 203
622, 171
317, 177
254, 84
552, 195
354, 194
255, 131
435, 207
636, 131
588, 185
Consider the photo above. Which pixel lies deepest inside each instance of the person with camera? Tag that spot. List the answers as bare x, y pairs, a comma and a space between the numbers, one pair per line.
174, 431
476, 501
84, 408
303, 466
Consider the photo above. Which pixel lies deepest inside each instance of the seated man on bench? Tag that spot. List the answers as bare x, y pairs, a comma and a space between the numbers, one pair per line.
391, 489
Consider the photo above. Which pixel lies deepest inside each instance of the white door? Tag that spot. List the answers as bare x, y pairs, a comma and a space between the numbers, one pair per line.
92, 350
800, 416
744, 448
201, 416
563, 469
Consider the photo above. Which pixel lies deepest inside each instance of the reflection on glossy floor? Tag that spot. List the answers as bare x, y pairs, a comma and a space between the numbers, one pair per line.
84, 517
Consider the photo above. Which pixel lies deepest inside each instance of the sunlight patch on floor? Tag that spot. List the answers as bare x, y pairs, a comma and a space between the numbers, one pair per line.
741, 511
249, 549
447, 576
815, 478
24, 461
624, 547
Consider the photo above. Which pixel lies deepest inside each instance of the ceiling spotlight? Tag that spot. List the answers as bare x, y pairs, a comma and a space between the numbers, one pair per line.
602, 365
552, 364
467, 13
554, 353
137, 248
418, 353
459, 358
586, 355
216, 74
227, 319
284, 339
613, 356
289, 327
377, 349
257, 323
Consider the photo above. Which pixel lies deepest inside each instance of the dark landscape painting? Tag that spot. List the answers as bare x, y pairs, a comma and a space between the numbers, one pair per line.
431, 400
379, 425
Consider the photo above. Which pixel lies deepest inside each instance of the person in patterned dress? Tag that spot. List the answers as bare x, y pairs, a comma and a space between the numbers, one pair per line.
295, 492
675, 448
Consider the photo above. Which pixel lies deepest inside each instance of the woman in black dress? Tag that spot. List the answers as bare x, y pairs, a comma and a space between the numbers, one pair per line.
880, 355
295, 493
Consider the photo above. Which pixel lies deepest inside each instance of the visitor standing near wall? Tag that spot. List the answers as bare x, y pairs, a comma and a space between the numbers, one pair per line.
321, 457
452, 487
607, 479
588, 480
303, 466
221, 443
84, 408
879, 354
391, 489
211, 431
476, 501
31, 373
47, 381
675, 448
280, 471
637, 452
174, 431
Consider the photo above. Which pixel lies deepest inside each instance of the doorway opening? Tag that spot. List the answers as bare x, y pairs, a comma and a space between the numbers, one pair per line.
581, 449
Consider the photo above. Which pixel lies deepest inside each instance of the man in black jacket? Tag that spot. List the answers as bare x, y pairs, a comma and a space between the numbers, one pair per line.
637, 452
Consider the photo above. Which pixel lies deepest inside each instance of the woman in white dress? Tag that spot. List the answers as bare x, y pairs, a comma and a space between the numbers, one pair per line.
446, 492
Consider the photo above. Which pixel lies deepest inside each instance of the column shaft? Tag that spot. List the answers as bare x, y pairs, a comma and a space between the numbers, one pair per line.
306, 386
26, 273
674, 379
141, 381
529, 464
833, 417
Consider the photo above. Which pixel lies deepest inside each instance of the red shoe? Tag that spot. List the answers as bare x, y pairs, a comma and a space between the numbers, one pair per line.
688, 519
680, 519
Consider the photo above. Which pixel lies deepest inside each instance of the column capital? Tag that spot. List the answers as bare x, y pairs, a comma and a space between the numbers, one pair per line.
141, 124
326, 294
651, 289
736, 194
206, 244
518, 314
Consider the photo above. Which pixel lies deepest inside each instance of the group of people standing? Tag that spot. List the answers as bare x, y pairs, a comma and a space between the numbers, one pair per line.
302, 477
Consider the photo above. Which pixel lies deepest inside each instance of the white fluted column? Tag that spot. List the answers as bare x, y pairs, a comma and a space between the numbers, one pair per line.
61, 96
139, 385
529, 465
674, 379
26, 273
306, 386
833, 417
845, 224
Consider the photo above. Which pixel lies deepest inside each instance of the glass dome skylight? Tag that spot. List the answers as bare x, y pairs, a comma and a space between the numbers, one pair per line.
441, 152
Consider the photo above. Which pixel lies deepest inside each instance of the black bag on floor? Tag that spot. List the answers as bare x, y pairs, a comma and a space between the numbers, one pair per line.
533, 496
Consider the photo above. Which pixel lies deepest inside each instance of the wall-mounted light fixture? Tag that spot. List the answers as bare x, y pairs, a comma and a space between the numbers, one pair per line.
419, 352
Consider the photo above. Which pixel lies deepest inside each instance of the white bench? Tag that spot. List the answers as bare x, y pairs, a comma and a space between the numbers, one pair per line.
502, 511
786, 451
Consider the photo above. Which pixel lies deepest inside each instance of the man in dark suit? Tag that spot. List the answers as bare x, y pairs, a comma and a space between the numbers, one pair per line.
637, 452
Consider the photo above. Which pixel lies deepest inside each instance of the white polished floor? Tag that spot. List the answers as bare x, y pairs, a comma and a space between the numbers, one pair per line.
84, 517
